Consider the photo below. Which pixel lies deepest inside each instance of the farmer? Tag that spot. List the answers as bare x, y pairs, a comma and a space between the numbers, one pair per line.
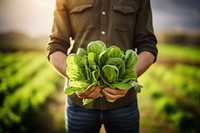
124, 23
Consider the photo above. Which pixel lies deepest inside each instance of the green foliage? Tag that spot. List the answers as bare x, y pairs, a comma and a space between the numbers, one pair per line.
173, 88
101, 66
26, 82
184, 53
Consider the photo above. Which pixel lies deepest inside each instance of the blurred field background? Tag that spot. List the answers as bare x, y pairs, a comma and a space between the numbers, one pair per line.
31, 91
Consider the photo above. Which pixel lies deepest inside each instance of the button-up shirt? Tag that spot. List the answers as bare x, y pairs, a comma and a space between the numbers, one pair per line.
124, 23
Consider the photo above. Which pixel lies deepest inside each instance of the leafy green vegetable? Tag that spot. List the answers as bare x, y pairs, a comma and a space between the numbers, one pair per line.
103, 67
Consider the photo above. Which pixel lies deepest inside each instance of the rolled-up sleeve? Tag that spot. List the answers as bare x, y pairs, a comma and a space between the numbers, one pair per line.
145, 39
61, 30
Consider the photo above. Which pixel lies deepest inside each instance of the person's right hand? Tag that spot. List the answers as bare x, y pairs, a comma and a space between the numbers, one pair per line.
92, 93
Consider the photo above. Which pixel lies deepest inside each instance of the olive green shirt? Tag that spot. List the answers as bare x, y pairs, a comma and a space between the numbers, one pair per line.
124, 23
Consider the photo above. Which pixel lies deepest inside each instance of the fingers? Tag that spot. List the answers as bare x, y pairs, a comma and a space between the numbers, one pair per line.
113, 94
95, 92
91, 93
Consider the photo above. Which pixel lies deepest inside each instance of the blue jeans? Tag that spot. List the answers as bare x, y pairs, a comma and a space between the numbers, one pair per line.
120, 120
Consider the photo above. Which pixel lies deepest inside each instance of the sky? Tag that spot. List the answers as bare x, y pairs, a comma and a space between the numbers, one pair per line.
35, 17
176, 14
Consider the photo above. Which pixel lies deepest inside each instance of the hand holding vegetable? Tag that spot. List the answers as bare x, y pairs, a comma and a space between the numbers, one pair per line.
91, 93
113, 94
103, 67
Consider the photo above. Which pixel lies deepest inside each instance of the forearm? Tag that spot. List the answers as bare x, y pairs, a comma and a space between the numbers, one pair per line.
145, 59
58, 60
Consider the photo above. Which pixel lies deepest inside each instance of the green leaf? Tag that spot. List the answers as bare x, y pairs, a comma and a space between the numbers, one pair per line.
114, 51
102, 59
96, 47
91, 61
79, 84
110, 74
76, 67
129, 75
110, 100
111, 52
69, 90
95, 75
92, 84
87, 73
136, 86
121, 85
81, 52
86, 101
119, 63
131, 59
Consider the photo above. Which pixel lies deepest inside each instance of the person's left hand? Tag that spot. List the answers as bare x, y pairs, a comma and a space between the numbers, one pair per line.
113, 94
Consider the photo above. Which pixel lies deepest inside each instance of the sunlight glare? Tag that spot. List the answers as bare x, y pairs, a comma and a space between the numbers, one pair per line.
44, 4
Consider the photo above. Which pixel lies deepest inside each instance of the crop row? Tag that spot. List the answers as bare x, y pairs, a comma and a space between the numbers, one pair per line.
14, 75
173, 93
28, 88
180, 79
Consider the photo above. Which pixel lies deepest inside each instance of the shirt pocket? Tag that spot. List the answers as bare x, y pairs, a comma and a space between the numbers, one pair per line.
124, 18
82, 17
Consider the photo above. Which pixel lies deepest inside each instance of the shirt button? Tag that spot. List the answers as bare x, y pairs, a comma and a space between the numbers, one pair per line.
103, 32
103, 13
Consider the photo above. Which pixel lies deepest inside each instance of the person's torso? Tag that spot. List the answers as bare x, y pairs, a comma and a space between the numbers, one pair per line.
111, 21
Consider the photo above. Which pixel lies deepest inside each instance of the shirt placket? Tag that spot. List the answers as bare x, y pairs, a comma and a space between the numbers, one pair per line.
103, 34
103, 31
